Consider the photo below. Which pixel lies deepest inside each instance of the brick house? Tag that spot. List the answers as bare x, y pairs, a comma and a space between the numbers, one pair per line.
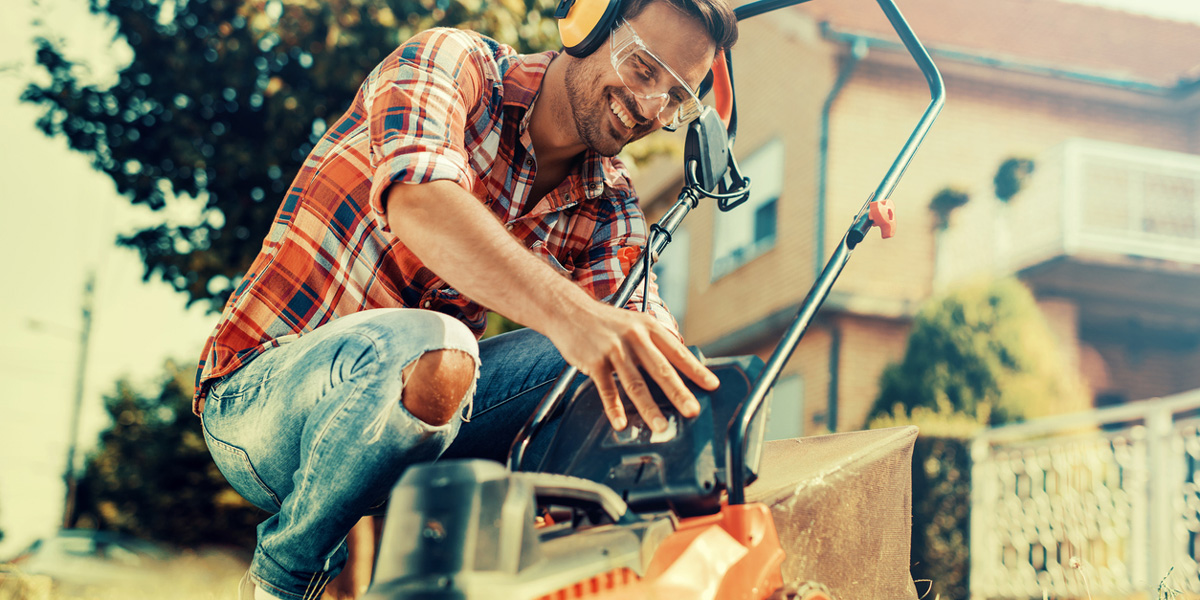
1106, 232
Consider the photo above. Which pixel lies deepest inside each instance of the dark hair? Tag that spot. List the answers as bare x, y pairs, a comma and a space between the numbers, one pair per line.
715, 15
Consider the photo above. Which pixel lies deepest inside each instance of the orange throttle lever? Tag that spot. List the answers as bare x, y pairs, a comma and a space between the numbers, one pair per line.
883, 215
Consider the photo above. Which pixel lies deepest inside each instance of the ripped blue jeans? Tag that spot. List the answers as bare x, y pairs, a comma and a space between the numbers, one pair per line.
315, 432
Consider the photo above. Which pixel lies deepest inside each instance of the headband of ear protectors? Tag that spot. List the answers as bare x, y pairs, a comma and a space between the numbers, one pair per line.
583, 25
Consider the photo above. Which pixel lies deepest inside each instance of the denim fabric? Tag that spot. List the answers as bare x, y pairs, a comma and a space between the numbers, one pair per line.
314, 430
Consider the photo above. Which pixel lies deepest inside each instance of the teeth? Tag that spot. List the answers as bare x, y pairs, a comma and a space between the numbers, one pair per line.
622, 115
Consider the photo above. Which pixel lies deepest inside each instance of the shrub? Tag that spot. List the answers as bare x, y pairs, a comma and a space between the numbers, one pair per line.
984, 350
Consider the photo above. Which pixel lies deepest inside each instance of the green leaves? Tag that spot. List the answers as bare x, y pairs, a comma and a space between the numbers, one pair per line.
984, 351
152, 475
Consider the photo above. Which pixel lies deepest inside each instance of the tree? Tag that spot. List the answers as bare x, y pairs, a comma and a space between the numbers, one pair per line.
222, 101
152, 475
985, 351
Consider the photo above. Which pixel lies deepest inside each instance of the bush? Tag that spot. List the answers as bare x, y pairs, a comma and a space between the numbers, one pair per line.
152, 476
982, 355
944, 203
941, 487
1011, 177
983, 350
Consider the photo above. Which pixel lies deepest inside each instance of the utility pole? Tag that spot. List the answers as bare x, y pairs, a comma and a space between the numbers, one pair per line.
80, 372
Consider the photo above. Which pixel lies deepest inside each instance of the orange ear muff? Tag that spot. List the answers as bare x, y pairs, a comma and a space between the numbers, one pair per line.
718, 82
722, 88
583, 25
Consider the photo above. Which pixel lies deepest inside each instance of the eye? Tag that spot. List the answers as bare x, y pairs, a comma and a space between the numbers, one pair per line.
644, 69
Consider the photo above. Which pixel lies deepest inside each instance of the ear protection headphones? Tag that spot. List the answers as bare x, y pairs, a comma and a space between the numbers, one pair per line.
584, 25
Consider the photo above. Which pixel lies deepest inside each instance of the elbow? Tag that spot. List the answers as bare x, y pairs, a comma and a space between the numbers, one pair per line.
409, 206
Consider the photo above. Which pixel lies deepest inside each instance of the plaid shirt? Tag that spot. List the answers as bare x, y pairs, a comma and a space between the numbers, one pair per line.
446, 105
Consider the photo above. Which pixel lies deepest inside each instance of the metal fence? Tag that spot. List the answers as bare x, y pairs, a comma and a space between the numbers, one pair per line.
1102, 504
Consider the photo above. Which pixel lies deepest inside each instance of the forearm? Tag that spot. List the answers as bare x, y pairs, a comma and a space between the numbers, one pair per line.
457, 238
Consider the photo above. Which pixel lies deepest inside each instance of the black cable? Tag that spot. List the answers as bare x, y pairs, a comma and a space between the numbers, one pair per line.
655, 231
693, 184
646, 269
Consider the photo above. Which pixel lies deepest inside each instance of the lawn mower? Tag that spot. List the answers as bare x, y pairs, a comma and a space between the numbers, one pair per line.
632, 514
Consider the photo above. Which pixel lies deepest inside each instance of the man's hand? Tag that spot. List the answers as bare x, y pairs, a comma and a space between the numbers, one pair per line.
606, 341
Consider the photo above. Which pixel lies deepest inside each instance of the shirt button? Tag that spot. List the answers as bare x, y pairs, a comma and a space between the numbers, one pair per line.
509, 226
529, 162
428, 303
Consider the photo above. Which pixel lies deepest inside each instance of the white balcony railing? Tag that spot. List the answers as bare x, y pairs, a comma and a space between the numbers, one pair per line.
1085, 197
1097, 504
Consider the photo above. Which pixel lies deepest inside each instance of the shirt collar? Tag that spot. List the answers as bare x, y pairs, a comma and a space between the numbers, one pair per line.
523, 79
522, 82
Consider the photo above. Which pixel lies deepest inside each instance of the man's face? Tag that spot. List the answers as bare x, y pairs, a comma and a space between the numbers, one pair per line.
603, 108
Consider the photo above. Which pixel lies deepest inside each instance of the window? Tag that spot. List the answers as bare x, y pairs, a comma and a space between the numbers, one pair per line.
672, 272
747, 231
786, 420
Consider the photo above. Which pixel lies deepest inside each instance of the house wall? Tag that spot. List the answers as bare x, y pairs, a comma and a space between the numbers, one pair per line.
773, 101
1140, 371
783, 71
1194, 118
868, 346
981, 126
811, 363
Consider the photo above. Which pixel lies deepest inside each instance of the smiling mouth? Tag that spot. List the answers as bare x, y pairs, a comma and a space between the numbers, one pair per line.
622, 113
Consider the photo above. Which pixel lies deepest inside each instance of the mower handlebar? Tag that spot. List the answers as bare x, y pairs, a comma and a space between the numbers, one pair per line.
579, 492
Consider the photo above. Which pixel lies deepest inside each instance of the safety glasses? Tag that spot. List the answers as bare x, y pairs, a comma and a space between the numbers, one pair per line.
650, 79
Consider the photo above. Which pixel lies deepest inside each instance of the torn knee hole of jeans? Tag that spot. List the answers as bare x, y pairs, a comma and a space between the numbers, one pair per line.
467, 402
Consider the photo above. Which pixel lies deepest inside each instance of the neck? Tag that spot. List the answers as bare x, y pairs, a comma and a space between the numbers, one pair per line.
551, 126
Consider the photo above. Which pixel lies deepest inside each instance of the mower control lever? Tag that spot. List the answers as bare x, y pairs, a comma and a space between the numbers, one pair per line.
883, 215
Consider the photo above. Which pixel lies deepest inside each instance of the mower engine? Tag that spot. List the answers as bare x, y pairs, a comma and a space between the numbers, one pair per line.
611, 514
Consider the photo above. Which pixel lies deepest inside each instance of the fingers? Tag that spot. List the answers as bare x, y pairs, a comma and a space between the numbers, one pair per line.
640, 341
667, 377
684, 360
639, 393
610, 397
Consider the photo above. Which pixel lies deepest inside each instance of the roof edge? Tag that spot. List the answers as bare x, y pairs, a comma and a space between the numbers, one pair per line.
1184, 87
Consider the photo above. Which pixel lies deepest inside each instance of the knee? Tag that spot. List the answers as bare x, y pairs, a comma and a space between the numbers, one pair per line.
436, 384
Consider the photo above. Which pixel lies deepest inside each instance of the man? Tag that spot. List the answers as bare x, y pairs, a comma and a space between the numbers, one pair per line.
463, 176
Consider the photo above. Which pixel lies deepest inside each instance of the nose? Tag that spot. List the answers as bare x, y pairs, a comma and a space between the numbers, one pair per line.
648, 108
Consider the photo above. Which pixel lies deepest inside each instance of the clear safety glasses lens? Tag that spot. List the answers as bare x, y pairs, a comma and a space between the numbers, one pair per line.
651, 80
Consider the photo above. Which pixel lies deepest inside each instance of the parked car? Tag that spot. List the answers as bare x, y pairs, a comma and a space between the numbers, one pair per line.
80, 560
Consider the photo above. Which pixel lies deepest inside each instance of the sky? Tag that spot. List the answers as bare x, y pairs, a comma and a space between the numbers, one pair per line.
60, 219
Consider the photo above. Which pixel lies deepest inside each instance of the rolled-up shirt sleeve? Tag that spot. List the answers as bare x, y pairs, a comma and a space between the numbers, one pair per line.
418, 102
622, 226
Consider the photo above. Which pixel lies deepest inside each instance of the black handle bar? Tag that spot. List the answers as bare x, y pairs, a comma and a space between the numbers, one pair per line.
736, 448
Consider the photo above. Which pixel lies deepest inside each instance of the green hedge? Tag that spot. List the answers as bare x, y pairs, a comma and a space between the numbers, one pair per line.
941, 489
941, 515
